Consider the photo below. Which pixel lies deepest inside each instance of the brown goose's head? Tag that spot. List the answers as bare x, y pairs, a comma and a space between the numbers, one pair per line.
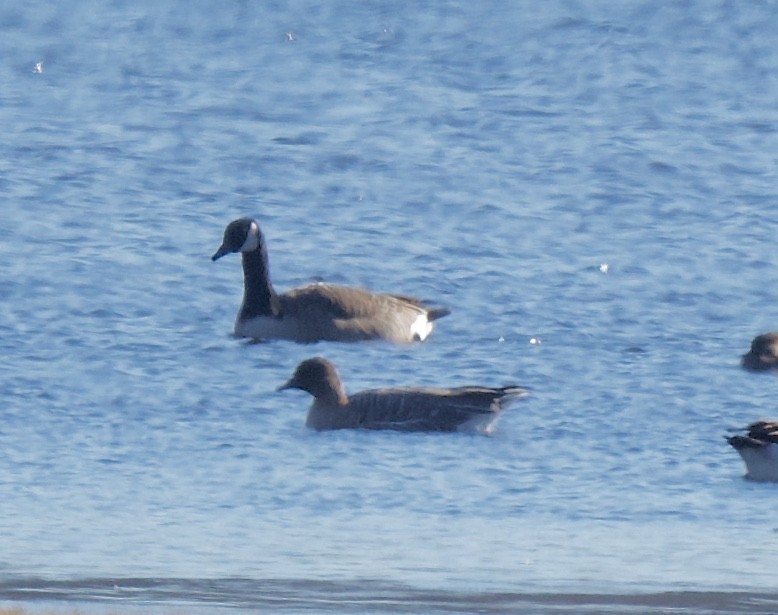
318, 377
763, 354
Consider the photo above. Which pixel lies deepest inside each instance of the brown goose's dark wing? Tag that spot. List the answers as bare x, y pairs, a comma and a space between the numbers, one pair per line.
345, 302
429, 409
324, 311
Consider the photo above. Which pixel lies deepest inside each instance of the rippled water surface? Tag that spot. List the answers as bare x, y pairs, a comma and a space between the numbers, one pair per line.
588, 186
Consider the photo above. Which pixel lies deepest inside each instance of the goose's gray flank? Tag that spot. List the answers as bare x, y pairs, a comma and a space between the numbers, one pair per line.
317, 312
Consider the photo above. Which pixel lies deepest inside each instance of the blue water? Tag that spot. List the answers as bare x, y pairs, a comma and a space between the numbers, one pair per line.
589, 186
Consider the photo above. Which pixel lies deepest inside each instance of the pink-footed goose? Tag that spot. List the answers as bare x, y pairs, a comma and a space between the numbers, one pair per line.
467, 408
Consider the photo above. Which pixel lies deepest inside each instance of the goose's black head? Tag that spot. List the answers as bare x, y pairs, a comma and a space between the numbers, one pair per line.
242, 235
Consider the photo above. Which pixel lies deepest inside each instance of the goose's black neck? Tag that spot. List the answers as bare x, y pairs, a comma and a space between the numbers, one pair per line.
259, 298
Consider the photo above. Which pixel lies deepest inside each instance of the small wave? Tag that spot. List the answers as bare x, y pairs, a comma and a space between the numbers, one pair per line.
359, 596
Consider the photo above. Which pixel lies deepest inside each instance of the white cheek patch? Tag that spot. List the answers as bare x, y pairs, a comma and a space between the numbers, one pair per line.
252, 239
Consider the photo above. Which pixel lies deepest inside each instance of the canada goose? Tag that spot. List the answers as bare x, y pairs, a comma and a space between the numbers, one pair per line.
763, 354
759, 449
317, 311
469, 408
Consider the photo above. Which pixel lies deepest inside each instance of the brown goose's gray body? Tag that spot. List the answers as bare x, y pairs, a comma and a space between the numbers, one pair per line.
317, 312
469, 408
763, 354
759, 450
